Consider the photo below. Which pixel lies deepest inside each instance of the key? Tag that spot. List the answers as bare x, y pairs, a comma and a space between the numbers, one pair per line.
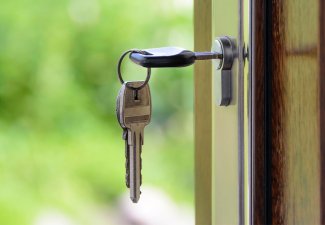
170, 57
124, 135
135, 114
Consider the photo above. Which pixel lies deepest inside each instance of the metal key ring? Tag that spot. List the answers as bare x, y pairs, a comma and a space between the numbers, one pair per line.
120, 74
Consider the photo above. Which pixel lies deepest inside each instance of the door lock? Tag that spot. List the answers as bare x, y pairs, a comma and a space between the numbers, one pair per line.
223, 53
223, 80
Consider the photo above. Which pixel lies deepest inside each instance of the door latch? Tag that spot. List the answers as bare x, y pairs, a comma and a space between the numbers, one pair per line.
223, 52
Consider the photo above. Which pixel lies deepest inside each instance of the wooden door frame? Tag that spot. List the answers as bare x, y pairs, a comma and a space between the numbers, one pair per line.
268, 162
321, 59
203, 114
259, 107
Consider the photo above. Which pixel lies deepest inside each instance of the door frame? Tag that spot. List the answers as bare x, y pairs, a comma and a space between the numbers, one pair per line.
203, 114
261, 121
273, 202
225, 122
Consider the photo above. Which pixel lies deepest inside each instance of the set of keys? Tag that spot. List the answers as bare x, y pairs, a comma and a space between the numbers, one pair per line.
134, 113
133, 105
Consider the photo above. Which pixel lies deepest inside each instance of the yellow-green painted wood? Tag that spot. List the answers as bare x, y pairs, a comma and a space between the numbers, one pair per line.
203, 114
225, 127
216, 128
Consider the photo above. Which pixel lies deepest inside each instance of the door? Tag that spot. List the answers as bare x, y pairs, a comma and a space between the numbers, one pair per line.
261, 160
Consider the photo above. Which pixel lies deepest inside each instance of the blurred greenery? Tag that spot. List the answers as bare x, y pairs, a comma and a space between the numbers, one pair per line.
60, 143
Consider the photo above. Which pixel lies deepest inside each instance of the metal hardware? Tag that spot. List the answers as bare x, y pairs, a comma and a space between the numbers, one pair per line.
223, 79
223, 53
170, 57
119, 73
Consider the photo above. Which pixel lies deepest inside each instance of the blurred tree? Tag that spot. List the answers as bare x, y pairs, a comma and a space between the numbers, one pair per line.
60, 144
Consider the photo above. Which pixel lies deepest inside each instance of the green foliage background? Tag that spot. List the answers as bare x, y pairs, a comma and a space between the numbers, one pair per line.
60, 143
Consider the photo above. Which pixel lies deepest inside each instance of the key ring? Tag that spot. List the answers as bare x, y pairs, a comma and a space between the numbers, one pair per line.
120, 74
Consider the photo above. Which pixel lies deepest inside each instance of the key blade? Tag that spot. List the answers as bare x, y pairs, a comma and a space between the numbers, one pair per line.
135, 162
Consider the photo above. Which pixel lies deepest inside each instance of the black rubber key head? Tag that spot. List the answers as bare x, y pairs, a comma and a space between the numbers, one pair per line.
164, 57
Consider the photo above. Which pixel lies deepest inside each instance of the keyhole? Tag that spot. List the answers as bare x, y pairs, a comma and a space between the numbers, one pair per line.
136, 95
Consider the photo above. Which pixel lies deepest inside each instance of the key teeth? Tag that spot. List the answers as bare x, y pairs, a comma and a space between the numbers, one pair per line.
127, 169
140, 170
127, 178
127, 175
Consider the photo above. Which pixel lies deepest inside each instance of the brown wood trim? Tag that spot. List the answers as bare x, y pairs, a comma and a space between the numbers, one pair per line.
257, 58
278, 109
292, 60
203, 114
321, 60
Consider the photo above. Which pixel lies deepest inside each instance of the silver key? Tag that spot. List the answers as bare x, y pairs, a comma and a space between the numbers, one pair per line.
124, 135
134, 115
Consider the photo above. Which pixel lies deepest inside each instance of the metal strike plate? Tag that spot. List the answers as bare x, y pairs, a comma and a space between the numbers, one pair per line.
223, 78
